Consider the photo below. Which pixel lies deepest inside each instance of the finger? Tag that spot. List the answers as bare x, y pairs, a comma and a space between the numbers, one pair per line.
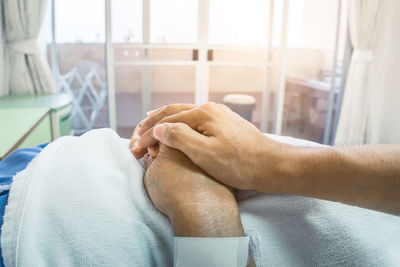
153, 150
157, 115
138, 152
181, 137
135, 135
152, 112
190, 117
134, 140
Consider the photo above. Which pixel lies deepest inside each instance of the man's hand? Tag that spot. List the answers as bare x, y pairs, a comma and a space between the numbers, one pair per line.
223, 144
196, 205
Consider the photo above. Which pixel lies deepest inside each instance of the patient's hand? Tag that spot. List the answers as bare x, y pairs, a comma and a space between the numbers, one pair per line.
152, 150
196, 204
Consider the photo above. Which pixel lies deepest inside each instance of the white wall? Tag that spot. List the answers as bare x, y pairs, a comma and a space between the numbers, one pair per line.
387, 57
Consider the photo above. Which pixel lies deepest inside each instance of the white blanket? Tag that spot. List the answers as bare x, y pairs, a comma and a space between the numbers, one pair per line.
81, 202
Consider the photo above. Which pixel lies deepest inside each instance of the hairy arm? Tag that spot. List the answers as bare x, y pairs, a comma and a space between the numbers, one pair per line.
213, 219
365, 176
237, 154
196, 204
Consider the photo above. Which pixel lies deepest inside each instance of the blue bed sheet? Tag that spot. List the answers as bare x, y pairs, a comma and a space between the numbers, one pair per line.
11, 165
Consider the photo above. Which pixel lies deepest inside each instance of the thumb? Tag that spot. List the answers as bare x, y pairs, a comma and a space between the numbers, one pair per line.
180, 136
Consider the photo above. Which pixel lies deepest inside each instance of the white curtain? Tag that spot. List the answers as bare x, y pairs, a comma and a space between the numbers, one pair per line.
387, 53
358, 123
28, 71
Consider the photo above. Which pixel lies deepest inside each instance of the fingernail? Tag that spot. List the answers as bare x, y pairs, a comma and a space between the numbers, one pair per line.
133, 151
136, 152
135, 138
159, 131
136, 144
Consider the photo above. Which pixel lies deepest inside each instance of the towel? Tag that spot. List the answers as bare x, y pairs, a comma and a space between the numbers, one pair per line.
81, 202
299, 231
9, 166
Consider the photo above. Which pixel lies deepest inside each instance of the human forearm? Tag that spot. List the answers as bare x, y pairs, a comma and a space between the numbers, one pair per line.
202, 211
365, 176
237, 154
211, 219
204, 217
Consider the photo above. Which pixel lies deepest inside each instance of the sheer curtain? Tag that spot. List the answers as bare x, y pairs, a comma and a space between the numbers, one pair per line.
28, 71
388, 70
359, 117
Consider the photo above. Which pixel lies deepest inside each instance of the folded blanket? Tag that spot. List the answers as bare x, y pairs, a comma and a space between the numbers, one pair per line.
9, 166
81, 202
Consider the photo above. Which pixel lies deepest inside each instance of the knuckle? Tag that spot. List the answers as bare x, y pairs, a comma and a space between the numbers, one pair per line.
222, 106
177, 132
163, 120
174, 131
168, 109
163, 111
147, 124
206, 110
209, 105
171, 109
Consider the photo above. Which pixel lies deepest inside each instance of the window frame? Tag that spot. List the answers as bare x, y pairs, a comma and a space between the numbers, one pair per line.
202, 65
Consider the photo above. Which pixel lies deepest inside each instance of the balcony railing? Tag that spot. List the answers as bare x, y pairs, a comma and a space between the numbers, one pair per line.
89, 95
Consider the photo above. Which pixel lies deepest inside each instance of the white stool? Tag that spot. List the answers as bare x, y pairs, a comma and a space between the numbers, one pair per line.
241, 104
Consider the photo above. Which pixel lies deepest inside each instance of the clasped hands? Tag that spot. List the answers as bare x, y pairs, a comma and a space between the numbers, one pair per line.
196, 204
194, 155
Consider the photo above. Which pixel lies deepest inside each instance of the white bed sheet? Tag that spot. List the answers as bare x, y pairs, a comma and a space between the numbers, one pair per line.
81, 202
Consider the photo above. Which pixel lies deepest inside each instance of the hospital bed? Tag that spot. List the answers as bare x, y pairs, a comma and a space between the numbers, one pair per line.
284, 230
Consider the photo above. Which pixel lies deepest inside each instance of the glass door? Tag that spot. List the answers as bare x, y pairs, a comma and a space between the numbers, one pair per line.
278, 63
188, 51
78, 59
238, 61
313, 77
155, 56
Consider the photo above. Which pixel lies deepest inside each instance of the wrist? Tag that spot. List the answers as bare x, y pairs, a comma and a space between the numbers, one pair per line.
297, 170
281, 168
216, 218
308, 175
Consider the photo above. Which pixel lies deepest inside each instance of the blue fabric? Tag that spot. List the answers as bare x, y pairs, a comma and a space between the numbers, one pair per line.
11, 165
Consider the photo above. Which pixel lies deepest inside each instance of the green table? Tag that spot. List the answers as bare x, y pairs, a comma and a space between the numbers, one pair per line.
59, 104
23, 127
52, 101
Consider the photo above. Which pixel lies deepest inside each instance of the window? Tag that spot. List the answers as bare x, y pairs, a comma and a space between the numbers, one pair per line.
80, 47
239, 22
158, 57
127, 21
80, 21
173, 21
311, 50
